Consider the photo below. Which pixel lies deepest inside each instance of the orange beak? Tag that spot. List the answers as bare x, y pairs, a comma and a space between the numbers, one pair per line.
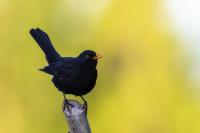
97, 57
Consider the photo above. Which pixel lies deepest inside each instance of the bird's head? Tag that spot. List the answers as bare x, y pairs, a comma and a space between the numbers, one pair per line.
90, 56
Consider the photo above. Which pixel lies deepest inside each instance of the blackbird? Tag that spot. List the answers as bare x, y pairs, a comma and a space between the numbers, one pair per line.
71, 75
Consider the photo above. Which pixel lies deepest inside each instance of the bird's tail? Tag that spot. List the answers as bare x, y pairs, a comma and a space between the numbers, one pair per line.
45, 44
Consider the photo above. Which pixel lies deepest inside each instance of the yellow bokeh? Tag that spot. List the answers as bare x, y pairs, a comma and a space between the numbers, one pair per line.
142, 85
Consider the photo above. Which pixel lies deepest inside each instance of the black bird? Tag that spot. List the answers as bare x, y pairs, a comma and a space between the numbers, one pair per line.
71, 75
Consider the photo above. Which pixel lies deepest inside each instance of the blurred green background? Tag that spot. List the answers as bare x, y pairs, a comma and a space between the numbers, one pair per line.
146, 80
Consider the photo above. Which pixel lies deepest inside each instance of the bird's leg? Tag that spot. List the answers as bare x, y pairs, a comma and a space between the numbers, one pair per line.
66, 103
85, 104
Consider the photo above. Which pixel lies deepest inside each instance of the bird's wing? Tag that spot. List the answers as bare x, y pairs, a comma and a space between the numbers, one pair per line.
63, 68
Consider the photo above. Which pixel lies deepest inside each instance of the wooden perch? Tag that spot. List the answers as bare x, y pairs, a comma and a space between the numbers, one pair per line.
75, 114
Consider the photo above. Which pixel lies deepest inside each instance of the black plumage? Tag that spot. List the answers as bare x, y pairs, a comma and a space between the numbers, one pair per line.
71, 75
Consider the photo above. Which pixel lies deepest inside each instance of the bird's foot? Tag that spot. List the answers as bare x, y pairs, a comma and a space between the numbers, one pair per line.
66, 104
86, 108
85, 105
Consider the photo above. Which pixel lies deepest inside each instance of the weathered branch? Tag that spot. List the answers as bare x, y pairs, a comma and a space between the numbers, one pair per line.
75, 114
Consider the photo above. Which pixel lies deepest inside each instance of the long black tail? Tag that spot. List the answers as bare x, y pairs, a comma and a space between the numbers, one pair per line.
45, 44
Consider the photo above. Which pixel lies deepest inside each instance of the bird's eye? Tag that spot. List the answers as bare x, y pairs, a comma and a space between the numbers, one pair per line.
87, 56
